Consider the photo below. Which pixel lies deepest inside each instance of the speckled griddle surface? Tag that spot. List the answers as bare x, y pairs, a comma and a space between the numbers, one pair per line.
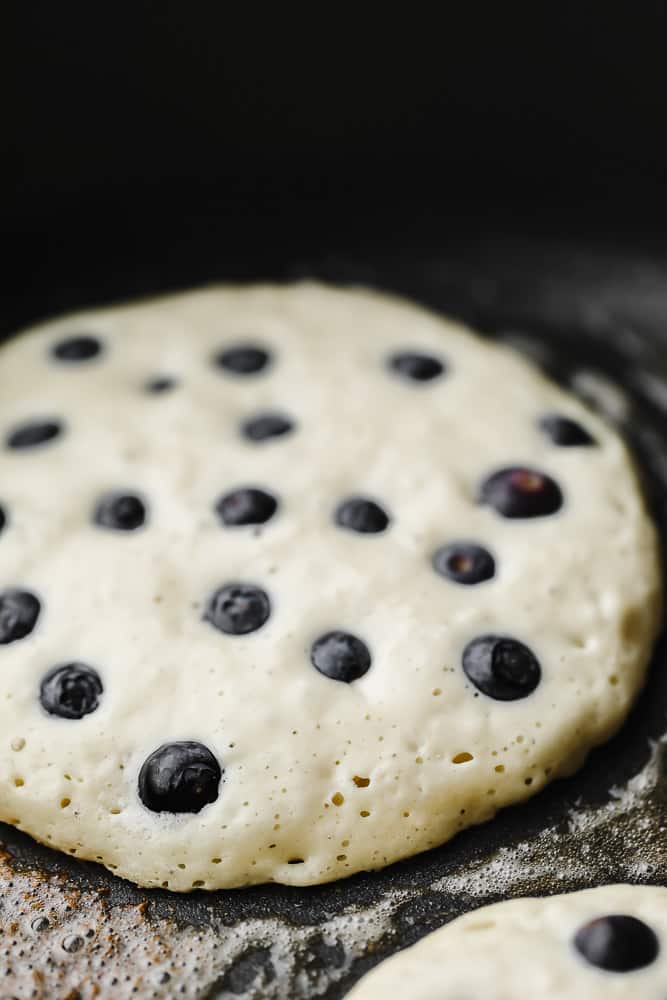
596, 319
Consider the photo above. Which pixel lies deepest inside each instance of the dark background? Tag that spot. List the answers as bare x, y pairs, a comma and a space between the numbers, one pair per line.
151, 145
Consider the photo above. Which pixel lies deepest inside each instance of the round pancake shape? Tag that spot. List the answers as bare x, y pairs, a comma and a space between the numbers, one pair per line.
609, 942
298, 581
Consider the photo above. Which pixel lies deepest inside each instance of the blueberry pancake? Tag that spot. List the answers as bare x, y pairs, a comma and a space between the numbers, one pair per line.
298, 581
608, 943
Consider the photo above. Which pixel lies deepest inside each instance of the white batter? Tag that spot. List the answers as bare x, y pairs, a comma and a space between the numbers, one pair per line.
320, 777
528, 948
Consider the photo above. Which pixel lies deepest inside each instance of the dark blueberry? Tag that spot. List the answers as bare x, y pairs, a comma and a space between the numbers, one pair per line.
340, 656
238, 608
565, 432
521, 492
617, 943
161, 383
34, 433
464, 562
501, 667
40, 924
71, 691
19, 611
80, 348
243, 359
246, 506
418, 367
179, 778
120, 512
364, 516
266, 425
3, 518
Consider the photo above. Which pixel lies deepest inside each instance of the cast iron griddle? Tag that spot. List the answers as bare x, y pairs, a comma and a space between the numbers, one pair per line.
597, 320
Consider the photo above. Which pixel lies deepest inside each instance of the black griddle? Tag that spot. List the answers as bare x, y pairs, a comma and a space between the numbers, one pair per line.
595, 317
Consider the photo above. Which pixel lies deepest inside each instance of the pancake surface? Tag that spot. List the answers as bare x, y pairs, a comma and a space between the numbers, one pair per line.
298, 581
609, 942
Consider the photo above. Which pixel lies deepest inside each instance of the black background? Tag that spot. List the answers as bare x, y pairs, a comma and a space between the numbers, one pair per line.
151, 145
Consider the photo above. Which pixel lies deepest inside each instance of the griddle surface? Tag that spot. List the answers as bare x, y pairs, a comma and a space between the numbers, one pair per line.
596, 318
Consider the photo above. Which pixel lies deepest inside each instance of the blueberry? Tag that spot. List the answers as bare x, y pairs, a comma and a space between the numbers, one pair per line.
80, 348
501, 667
266, 425
3, 519
34, 433
565, 432
71, 691
340, 656
521, 492
246, 506
418, 367
359, 514
238, 608
120, 512
179, 777
19, 611
617, 943
160, 383
243, 359
464, 562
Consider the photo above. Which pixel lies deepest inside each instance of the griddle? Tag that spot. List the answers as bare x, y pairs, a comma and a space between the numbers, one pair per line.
593, 313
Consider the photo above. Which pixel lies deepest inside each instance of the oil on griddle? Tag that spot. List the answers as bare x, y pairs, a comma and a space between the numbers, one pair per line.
597, 320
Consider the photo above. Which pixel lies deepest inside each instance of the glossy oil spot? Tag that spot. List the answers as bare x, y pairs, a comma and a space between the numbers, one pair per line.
73, 943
